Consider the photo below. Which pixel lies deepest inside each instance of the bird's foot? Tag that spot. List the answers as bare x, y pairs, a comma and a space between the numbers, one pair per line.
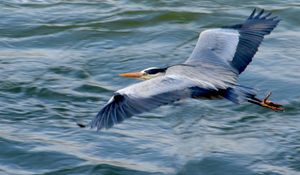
271, 105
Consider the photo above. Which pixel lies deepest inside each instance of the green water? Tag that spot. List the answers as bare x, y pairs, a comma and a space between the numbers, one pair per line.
59, 62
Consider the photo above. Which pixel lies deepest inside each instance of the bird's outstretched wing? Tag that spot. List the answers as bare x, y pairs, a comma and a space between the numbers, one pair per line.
235, 45
147, 95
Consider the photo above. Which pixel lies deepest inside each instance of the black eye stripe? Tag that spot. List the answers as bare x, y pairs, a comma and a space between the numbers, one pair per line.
155, 71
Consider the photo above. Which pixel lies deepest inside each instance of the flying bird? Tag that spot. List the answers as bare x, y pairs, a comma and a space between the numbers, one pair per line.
211, 72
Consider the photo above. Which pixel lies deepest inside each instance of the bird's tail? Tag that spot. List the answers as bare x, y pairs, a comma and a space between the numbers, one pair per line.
240, 94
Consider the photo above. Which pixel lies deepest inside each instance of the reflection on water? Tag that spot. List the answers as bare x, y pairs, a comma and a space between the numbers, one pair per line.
59, 62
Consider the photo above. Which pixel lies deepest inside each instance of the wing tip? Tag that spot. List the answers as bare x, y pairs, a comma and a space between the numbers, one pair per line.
262, 15
111, 114
101, 119
252, 14
256, 16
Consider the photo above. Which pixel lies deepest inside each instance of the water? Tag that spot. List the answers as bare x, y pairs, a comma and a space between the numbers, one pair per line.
59, 62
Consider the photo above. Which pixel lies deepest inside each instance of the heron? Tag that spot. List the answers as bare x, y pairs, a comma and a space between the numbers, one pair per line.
210, 72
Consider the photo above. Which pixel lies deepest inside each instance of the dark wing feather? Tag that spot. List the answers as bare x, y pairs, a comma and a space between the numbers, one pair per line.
233, 47
143, 97
252, 33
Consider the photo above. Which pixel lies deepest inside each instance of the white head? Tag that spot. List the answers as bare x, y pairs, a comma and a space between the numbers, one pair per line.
146, 74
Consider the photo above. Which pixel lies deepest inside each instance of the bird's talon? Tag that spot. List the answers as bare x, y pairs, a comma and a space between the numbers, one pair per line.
267, 97
271, 105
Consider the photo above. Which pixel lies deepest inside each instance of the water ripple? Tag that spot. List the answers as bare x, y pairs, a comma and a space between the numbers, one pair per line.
59, 62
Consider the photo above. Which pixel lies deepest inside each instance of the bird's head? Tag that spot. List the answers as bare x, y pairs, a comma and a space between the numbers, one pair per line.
146, 74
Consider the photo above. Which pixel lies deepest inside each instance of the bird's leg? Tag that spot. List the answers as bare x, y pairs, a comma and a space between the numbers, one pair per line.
267, 103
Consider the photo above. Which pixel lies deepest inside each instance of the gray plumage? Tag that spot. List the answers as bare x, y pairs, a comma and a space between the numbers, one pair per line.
211, 71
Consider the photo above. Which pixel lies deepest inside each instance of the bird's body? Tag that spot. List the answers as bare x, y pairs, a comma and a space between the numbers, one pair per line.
211, 71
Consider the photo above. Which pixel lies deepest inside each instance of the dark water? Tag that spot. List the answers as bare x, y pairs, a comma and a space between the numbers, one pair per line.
59, 62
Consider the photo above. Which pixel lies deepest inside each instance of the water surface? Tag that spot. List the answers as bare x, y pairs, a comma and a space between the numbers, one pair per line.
59, 62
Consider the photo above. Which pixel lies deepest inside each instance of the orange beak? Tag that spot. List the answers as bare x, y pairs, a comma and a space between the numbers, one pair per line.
132, 75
